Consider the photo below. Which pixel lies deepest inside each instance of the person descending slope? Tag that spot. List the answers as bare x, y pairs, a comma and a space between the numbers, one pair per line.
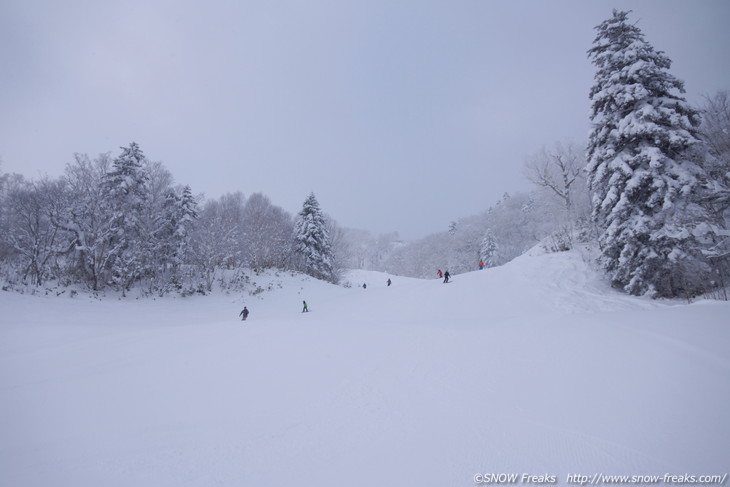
305, 309
446, 277
441, 274
244, 313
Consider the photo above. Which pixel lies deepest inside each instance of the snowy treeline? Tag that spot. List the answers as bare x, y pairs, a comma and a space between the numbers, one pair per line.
555, 212
511, 226
119, 223
651, 190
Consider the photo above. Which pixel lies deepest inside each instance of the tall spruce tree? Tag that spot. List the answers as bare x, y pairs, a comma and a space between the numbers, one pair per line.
312, 241
126, 192
640, 168
187, 216
489, 249
174, 226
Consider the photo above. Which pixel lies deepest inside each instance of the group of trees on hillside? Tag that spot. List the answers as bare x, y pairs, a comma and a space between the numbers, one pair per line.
651, 189
118, 223
511, 226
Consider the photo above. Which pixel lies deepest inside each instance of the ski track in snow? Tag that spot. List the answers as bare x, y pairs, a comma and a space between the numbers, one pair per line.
533, 367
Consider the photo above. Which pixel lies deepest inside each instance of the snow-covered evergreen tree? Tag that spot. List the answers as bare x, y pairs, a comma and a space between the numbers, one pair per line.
126, 181
312, 241
640, 171
174, 225
187, 215
453, 228
166, 227
489, 249
126, 193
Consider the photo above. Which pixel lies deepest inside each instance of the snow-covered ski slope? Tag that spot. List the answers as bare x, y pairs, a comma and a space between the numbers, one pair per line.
536, 367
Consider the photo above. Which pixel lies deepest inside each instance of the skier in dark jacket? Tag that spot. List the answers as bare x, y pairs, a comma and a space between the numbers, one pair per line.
244, 313
446, 277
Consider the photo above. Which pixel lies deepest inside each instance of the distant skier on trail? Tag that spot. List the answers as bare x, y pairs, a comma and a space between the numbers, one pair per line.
446, 277
481, 264
388, 281
305, 309
441, 274
244, 313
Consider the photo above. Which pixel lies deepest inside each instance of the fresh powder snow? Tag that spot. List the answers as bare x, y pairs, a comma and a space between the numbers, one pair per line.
535, 367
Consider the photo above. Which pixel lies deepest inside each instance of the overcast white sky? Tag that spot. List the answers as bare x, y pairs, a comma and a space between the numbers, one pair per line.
399, 115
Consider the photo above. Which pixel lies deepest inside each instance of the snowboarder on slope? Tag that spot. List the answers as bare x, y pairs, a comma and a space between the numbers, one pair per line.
481, 264
305, 309
244, 313
446, 277
389, 283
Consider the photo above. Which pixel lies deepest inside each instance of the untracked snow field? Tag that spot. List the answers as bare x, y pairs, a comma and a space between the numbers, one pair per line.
536, 367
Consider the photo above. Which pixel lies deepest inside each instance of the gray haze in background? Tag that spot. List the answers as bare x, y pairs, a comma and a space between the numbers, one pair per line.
399, 115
